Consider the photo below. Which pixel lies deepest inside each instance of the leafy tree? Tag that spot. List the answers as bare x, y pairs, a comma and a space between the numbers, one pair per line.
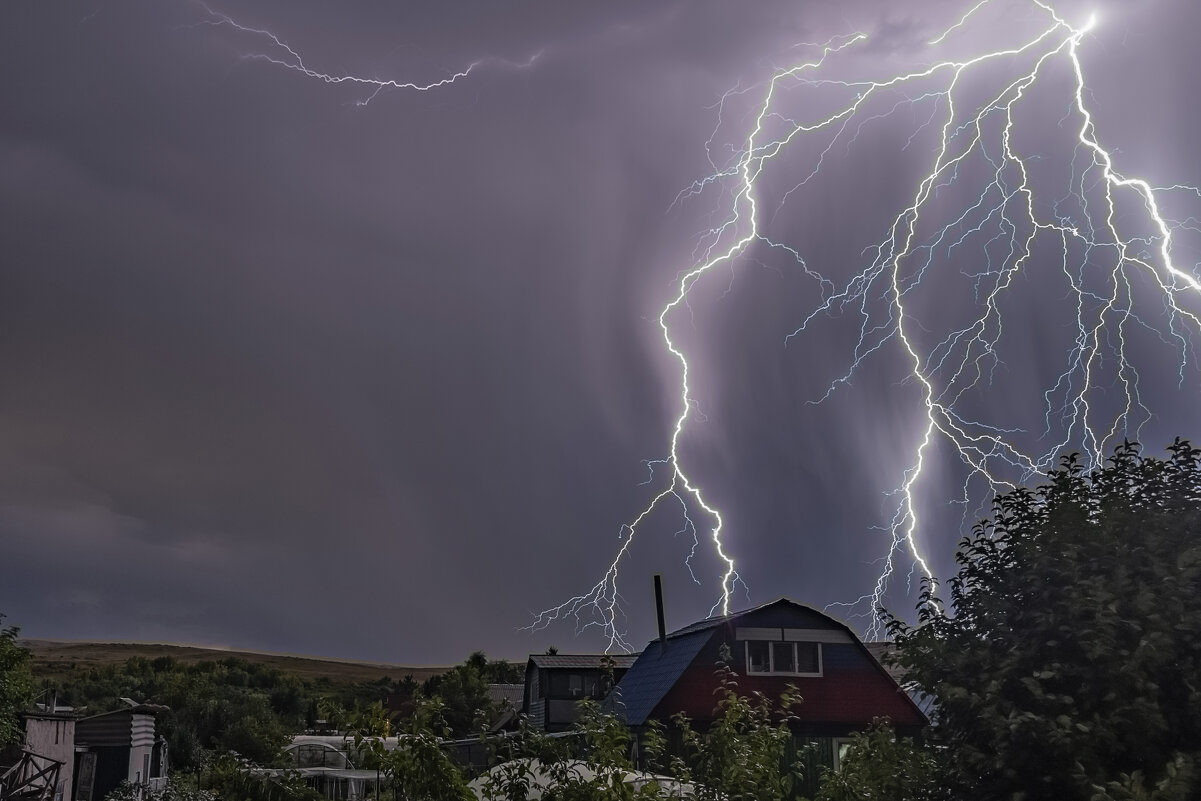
463, 691
172, 791
749, 752
880, 766
1071, 665
234, 778
418, 768
16, 684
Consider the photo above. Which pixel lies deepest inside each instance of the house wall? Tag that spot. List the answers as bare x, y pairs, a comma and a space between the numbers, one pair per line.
54, 737
851, 692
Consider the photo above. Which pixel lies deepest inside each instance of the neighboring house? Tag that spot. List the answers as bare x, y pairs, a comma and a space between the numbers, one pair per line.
119, 746
555, 683
843, 687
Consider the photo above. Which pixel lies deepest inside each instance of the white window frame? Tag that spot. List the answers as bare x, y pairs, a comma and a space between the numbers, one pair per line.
837, 743
771, 659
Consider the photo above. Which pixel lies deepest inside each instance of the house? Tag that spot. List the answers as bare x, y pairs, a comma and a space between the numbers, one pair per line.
843, 687
555, 683
119, 746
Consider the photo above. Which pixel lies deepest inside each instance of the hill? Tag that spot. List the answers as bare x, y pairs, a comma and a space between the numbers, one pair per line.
60, 659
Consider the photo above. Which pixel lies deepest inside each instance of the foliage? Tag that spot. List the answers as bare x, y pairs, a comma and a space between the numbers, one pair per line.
174, 790
749, 753
880, 765
16, 684
464, 691
1070, 667
234, 778
230, 705
418, 768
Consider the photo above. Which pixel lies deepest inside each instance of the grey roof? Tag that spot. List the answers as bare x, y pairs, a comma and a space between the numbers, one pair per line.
702, 625
585, 661
655, 672
715, 621
511, 694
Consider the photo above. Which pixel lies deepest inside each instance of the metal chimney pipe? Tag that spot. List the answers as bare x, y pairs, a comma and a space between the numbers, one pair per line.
659, 609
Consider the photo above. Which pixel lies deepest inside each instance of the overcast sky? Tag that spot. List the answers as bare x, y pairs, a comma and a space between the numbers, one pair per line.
288, 371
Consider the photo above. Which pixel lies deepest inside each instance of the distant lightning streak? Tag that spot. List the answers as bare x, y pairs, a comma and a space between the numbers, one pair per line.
1100, 264
288, 58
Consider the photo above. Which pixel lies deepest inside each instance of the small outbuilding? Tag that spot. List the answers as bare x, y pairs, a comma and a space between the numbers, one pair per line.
119, 746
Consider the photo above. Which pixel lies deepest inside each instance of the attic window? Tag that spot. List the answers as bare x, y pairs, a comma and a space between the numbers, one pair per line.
783, 658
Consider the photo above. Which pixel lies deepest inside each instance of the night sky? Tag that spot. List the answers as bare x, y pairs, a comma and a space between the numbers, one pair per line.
283, 370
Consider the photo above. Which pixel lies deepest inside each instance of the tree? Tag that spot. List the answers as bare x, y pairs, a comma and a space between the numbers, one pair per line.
16, 684
1071, 665
749, 752
880, 765
418, 768
463, 691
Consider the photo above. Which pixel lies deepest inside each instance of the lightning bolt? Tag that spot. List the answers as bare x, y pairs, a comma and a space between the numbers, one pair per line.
1107, 259
1102, 267
281, 54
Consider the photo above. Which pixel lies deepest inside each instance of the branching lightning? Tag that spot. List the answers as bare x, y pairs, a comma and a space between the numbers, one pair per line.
1112, 240
1002, 231
281, 54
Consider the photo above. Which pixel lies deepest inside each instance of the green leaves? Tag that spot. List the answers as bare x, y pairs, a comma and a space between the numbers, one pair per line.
16, 684
1066, 665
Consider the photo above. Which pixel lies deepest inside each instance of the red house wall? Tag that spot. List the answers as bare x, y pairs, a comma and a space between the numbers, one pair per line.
852, 691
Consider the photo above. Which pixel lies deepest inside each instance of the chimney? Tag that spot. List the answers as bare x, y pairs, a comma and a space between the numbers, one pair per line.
659, 609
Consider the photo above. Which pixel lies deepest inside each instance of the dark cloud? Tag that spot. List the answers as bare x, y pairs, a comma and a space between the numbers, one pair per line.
284, 371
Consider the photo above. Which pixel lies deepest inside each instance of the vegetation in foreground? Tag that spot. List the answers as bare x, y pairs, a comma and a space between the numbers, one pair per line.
1064, 668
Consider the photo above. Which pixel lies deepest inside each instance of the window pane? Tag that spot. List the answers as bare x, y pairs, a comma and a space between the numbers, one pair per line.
844, 748
783, 657
757, 657
575, 684
807, 657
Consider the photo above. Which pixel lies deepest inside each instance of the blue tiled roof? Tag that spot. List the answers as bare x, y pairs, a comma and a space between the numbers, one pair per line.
656, 671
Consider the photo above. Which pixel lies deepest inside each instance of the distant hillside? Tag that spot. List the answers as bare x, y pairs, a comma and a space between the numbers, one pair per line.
59, 659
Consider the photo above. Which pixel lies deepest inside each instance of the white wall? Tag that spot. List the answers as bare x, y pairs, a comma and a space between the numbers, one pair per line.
54, 738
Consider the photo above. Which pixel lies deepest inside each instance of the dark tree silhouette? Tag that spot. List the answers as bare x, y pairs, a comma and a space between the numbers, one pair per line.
1069, 664
16, 683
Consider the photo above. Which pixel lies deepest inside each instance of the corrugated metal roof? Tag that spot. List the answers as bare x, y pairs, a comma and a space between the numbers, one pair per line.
655, 672
584, 661
506, 693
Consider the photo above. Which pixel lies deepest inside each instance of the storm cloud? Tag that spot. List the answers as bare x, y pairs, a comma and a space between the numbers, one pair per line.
284, 370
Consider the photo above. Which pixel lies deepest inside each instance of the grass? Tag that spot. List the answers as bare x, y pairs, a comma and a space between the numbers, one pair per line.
55, 660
